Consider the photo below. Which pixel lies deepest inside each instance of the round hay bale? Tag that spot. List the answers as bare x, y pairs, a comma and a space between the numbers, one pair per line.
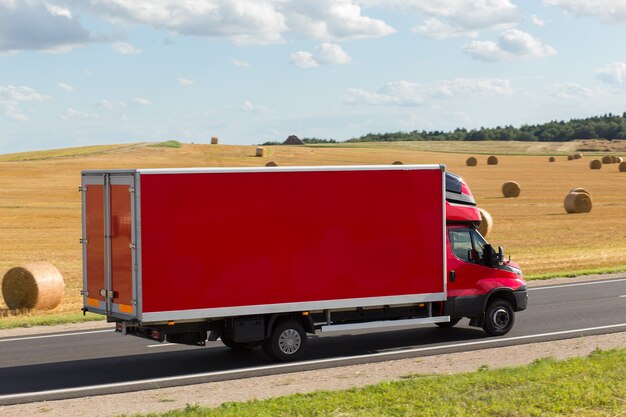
492, 160
607, 159
578, 155
570, 157
260, 152
471, 162
397, 163
577, 203
614, 159
619, 160
510, 189
37, 285
622, 167
595, 164
552, 159
486, 222
271, 164
579, 190
214, 140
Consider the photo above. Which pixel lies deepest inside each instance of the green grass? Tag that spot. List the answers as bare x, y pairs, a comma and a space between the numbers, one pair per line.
577, 273
592, 386
10, 321
167, 144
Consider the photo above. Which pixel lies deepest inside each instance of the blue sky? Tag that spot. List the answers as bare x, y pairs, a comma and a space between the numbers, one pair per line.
86, 72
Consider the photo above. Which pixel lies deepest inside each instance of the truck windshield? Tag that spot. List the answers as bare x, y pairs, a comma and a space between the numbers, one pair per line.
462, 241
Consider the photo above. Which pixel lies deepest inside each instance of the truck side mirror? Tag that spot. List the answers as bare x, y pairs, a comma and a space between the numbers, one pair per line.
473, 255
490, 258
500, 254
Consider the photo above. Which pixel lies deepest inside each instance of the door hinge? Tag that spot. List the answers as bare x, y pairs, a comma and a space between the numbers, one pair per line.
132, 246
84, 292
83, 241
81, 189
131, 189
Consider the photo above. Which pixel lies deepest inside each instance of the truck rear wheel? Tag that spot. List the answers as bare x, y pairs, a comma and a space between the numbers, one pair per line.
499, 318
287, 342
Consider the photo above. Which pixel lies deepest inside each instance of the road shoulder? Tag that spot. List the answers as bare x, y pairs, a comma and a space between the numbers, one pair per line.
257, 388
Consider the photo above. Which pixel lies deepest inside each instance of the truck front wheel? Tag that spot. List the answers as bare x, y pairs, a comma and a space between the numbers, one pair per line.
499, 318
287, 342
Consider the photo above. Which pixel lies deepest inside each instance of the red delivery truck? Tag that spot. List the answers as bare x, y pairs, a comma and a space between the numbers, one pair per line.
265, 256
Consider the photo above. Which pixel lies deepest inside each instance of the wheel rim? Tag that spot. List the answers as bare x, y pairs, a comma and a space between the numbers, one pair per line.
500, 318
289, 341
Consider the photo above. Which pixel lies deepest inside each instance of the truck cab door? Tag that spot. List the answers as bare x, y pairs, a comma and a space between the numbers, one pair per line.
465, 249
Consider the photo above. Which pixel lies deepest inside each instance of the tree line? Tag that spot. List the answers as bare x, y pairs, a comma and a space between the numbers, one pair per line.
608, 126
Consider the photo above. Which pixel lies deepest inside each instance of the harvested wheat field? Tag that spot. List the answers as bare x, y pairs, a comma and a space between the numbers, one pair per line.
40, 204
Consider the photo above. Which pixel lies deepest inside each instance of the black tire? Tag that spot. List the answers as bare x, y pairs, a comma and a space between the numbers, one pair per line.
499, 318
287, 343
238, 346
448, 324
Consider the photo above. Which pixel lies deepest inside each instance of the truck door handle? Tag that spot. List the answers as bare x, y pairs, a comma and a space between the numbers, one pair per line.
452, 276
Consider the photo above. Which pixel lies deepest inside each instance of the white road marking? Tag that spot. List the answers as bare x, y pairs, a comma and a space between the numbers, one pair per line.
45, 336
622, 296
297, 364
609, 281
163, 345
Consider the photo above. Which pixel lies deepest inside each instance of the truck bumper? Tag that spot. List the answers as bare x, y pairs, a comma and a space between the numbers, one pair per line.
521, 299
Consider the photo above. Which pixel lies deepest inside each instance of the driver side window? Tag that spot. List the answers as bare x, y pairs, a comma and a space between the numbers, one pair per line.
461, 243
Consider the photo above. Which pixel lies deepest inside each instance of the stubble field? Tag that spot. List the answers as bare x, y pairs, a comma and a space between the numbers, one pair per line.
40, 204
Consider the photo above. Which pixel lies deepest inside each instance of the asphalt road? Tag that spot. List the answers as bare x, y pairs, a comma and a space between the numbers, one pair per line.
65, 365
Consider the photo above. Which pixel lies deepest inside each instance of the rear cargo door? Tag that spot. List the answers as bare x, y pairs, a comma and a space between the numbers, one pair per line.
109, 250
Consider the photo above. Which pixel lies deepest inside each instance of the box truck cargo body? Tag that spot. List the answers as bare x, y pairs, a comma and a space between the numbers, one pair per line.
265, 255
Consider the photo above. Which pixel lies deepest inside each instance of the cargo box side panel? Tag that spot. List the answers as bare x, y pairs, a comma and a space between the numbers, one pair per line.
216, 240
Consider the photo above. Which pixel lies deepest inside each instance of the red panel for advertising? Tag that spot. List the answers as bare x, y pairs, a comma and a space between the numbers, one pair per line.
234, 239
94, 202
121, 238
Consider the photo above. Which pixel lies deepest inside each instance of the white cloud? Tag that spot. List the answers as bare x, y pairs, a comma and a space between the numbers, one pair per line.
331, 54
110, 105
324, 54
610, 11
36, 25
66, 87
512, 43
125, 48
570, 91
435, 28
249, 107
11, 96
245, 21
537, 21
184, 81
451, 18
464, 86
614, 74
142, 101
407, 93
242, 21
72, 114
240, 64
332, 20
303, 59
